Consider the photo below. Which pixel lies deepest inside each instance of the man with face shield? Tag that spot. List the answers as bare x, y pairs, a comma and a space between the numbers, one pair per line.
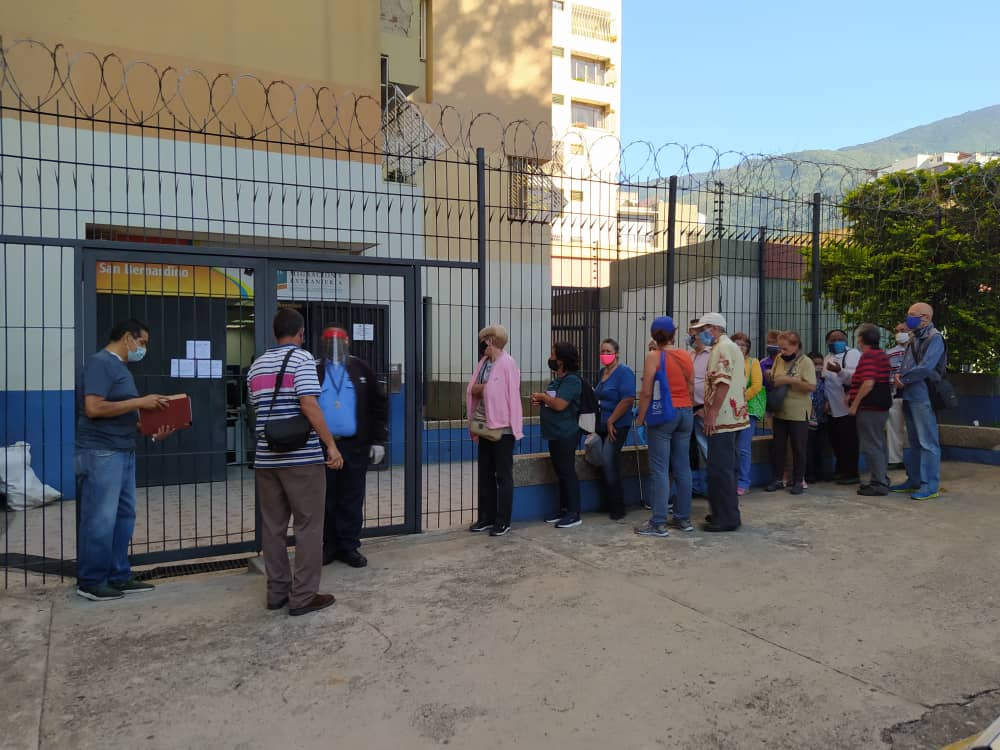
356, 411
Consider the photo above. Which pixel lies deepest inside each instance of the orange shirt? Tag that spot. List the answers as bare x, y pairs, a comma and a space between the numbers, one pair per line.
679, 363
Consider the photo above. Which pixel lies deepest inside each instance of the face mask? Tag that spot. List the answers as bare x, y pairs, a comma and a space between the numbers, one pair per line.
482, 349
838, 347
607, 359
913, 322
691, 340
772, 349
553, 364
902, 338
335, 346
788, 357
819, 374
706, 338
136, 355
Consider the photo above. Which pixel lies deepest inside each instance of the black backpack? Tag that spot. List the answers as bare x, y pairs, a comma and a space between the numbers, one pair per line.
589, 409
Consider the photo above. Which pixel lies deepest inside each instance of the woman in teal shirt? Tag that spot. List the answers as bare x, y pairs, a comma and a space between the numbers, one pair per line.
615, 391
560, 415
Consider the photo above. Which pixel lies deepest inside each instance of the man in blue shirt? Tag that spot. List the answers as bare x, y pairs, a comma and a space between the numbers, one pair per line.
356, 410
108, 407
923, 364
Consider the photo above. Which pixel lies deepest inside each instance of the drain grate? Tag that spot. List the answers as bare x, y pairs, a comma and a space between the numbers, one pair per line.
190, 569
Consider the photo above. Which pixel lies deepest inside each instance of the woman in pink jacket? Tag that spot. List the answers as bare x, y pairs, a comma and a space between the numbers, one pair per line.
496, 383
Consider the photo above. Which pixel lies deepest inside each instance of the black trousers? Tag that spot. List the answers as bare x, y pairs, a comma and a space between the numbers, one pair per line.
496, 480
797, 432
345, 501
844, 436
563, 454
819, 439
723, 466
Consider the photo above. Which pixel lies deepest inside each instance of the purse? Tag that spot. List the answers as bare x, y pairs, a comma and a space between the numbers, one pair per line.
285, 435
477, 422
661, 405
776, 396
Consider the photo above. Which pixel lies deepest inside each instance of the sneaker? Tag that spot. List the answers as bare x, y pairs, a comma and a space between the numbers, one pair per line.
100, 593
873, 490
132, 586
556, 519
797, 489
499, 529
618, 515
481, 526
681, 524
651, 529
774, 486
569, 521
903, 487
925, 495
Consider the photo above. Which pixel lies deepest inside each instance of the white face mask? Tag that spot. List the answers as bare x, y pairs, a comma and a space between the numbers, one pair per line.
902, 338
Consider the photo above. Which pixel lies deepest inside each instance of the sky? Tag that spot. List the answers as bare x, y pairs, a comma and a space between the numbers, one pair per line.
772, 76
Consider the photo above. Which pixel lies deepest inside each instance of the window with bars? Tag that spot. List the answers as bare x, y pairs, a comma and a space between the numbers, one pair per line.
593, 23
589, 70
589, 115
576, 149
558, 51
558, 99
533, 196
576, 196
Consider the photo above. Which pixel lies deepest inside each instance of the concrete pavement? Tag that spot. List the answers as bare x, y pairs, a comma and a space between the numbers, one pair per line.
829, 621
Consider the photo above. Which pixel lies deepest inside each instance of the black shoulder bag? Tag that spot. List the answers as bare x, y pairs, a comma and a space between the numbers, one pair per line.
290, 434
941, 392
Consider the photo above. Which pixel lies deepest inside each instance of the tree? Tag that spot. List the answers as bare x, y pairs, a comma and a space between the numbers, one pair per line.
923, 237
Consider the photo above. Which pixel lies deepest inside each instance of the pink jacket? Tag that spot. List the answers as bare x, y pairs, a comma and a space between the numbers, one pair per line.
502, 395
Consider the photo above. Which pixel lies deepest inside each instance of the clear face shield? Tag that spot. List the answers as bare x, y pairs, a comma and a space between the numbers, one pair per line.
335, 345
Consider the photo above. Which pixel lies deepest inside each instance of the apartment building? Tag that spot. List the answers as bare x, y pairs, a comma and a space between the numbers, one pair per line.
586, 104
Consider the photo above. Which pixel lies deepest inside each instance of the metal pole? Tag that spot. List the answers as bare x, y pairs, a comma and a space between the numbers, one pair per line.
815, 274
481, 228
761, 293
671, 244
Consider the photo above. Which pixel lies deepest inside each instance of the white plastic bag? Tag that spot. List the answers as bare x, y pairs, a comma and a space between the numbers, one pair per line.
18, 480
593, 448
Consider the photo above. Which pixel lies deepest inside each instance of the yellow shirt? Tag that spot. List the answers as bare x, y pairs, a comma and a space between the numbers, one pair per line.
797, 405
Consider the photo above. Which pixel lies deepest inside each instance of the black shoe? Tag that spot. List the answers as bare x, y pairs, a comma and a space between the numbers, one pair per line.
708, 518
132, 586
797, 489
616, 515
499, 529
278, 605
100, 593
714, 527
353, 558
897, 467
318, 602
873, 490
481, 526
774, 486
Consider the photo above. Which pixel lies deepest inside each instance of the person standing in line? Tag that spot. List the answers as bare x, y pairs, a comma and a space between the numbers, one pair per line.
725, 416
924, 363
756, 398
104, 460
869, 402
560, 415
496, 386
838, 368
291, 484
772, 351
819, 419
795, 371
615, 392
669, 442
356, 410
699, 443
895, 427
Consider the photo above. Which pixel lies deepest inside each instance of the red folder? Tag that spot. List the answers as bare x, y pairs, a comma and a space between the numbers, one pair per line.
177, 414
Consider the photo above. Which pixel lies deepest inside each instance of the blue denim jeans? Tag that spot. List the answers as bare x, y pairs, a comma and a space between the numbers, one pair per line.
105, 483
669, 451
745, 444
923, 457
611, 470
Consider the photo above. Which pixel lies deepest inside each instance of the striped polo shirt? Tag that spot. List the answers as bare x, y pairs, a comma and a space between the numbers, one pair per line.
299, 380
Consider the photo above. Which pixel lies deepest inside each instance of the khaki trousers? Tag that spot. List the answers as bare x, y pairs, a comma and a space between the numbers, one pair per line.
298, 492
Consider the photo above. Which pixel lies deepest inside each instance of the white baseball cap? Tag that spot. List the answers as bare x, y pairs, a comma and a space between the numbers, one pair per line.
711, 319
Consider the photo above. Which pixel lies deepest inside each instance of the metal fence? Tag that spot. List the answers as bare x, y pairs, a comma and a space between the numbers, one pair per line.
201, 205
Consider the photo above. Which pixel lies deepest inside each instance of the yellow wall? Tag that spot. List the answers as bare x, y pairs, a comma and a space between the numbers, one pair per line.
302, 40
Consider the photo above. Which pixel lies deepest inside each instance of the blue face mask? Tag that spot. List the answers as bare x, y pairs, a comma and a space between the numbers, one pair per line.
838, 347
913, 322
706, 338
773, 350
136, 355
691, 340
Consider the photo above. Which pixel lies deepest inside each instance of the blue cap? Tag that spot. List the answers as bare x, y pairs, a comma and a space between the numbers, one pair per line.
663, 323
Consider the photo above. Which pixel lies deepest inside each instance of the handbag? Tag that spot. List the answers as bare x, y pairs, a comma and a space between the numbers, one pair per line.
477, 422
941, 391
776, 396
285, 435
661, 406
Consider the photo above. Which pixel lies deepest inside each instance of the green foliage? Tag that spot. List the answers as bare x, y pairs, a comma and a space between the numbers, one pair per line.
923, 237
